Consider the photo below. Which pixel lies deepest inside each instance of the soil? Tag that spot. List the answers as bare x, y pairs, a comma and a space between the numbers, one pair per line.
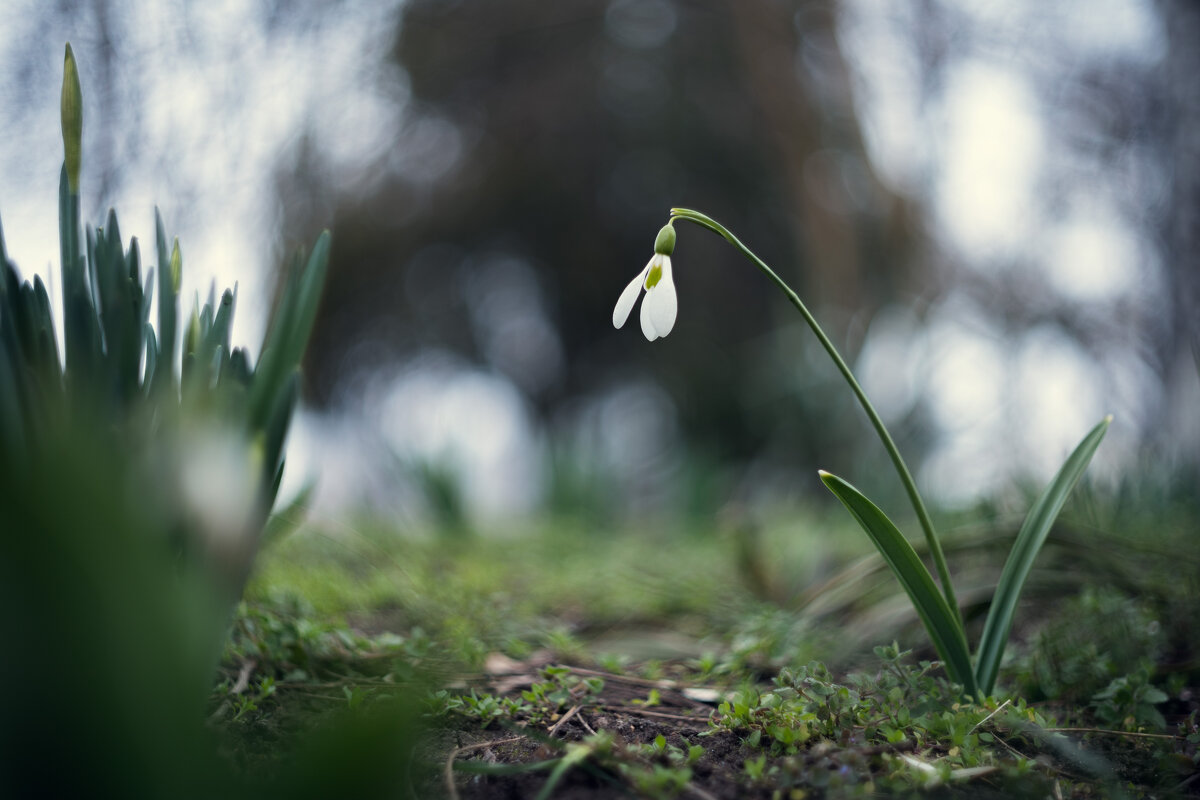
679, 719
683, 721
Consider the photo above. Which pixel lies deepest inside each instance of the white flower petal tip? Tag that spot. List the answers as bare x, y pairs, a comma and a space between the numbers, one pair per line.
628, 297
648, 329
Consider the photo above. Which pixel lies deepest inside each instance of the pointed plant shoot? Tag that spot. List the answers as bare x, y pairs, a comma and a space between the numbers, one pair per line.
143, 381
72, 119
289, 332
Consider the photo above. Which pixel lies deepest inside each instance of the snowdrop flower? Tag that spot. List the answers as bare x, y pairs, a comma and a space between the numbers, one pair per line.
660, 306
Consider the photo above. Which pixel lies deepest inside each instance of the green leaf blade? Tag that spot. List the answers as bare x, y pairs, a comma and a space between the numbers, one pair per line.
287, 337
941, 622
1029, 542
168, 306
79, 317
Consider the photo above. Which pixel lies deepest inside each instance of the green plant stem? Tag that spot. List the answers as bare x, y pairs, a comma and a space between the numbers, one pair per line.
906, 478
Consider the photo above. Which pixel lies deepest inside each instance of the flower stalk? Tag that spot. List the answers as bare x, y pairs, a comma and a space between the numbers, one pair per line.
889, 444
938, 610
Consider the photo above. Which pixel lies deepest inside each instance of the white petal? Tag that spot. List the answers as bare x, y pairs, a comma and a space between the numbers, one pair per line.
628, 297
647, 323
664, 305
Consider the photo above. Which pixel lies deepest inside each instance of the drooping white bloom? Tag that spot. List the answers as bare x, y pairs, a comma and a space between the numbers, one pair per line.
660, 306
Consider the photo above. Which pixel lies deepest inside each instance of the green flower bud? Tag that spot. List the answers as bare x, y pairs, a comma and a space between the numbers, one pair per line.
665, 243
176, 266
72, 120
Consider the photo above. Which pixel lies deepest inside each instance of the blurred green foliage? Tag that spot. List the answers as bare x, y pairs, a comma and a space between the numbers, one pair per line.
214, 429
131, 500
562, 130
1092, 639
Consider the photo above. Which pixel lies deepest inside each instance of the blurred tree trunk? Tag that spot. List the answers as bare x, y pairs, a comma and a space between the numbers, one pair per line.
580, 125
850, 230
1182, 19
1179, 330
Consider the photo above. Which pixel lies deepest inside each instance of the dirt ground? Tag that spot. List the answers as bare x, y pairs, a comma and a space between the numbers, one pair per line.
678, 718
681, 717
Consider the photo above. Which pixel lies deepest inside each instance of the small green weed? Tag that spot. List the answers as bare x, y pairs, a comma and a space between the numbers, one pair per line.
1129, 702
289, 641
1091, 640
561, 689
902, 727
487, 708
244, 705
661, 769
755, 768
541, 702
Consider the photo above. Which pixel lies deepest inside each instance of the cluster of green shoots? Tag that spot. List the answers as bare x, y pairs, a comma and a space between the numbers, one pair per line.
144, 385
938, 609
139, 462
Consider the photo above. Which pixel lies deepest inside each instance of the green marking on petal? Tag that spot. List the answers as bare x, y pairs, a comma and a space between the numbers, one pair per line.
654, 276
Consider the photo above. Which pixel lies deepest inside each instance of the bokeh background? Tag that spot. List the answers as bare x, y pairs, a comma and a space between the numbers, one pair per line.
993, 207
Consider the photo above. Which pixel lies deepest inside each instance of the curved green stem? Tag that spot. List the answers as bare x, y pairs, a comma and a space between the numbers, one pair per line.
906, 478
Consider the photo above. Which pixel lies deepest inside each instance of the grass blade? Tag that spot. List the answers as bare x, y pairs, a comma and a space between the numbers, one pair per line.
1029, 541
940, 620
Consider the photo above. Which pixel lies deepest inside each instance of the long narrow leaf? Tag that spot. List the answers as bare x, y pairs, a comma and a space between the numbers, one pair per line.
1029, 541
45, 325
78, 317
168, 305
151, 357
288, 335
219, 334
13, 400
13, 431
312, 282
288, 519
940, 620
275, 431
